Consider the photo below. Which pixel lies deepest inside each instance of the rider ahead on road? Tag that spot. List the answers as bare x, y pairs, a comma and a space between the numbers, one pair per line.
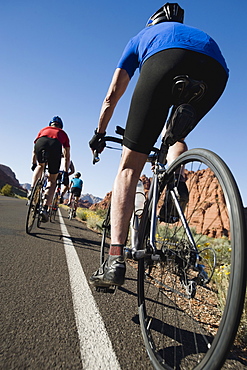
75, 189
50, 140
164, 49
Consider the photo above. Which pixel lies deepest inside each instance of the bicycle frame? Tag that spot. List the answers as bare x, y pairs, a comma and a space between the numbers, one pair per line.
159, 174
158, 159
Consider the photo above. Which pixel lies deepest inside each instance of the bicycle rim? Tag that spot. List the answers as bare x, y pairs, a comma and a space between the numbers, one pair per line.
189, 316
33, 207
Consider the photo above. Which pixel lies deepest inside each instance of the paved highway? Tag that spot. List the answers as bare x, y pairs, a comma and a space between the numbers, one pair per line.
51, 318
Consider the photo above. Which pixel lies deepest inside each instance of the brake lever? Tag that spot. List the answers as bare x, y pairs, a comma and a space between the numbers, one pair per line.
96, 157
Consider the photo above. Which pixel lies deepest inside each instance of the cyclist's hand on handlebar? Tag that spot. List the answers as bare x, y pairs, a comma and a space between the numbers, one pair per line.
97, 143
34, 165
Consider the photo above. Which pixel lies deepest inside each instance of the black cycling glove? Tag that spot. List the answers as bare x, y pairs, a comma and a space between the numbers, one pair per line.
96, 143
65, 178
34, 165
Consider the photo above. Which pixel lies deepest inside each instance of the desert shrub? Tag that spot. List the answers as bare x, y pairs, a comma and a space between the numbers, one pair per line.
82, 213
101, 213
94, 221
7, 190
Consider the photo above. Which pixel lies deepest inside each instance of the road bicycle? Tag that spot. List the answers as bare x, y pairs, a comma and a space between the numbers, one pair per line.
191, 275
35, 203
56, 197
72, 209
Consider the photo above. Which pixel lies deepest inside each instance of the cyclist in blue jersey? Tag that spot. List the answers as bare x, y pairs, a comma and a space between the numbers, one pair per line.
75, 189
164, 49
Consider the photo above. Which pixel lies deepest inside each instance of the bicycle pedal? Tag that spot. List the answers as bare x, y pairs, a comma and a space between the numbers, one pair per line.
109, 289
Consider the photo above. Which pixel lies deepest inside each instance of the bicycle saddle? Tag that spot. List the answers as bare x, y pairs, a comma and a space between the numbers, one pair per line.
186, 90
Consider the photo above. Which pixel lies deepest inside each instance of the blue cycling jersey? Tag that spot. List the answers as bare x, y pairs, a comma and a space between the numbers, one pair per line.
167, 35
76, 183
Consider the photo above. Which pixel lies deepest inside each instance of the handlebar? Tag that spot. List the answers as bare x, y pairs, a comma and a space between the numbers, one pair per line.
120, 131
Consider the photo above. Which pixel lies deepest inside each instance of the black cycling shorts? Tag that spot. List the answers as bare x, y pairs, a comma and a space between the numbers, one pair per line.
76, 191
151, 99
53, 151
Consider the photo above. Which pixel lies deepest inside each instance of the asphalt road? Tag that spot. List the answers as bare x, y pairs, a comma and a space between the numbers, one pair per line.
42, 325
50, 317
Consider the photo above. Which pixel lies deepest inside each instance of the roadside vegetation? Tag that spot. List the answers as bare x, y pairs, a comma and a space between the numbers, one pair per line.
12, 191
6, 190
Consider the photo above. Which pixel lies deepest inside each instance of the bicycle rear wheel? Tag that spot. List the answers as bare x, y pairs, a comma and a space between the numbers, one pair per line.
33, 207
190, 313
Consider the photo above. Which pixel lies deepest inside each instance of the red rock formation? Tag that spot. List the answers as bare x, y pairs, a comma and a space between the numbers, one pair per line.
103, 204
207, 208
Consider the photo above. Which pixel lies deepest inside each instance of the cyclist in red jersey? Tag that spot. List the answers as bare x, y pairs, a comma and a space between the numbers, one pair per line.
48, 146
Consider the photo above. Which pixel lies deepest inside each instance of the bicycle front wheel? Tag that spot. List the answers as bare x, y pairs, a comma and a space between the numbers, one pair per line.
33, 207
190, 303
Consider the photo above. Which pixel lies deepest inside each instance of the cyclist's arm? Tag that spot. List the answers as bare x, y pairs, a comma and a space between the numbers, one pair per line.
66, 158
117, 88
34, 158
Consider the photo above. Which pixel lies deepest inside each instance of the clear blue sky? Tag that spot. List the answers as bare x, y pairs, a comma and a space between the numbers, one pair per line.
58, 57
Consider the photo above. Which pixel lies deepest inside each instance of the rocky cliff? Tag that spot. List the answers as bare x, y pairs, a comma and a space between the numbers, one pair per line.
104, 204
7, 176
207, 207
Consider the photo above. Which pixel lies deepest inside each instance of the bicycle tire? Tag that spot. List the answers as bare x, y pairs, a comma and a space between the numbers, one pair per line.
33, 207
104, 246
186, 331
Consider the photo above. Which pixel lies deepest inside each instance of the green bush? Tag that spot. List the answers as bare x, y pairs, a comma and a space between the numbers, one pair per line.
7, 190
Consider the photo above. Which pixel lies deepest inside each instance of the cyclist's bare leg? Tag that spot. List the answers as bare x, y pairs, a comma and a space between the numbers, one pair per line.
70, 198
76, 202
37, 174
175, 150
123, 195
50, 189
64, 189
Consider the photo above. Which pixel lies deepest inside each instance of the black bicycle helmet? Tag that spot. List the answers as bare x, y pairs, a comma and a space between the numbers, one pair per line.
77, 174
58, 122
170, 12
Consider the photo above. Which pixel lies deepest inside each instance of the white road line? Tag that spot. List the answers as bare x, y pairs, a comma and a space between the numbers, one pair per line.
95, 345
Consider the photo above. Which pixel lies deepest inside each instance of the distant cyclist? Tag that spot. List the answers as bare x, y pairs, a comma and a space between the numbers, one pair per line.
48, 148
75, 189
65, 186
164, 49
